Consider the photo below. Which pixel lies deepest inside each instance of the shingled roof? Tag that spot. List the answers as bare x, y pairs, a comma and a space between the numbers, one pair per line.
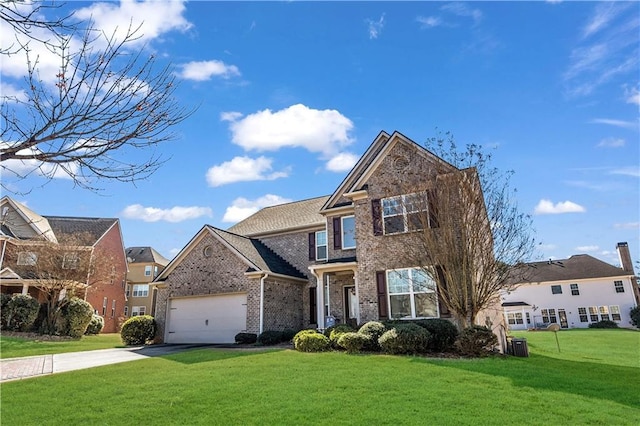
290, 216
579, 266
145, 255
258, 254
92, 226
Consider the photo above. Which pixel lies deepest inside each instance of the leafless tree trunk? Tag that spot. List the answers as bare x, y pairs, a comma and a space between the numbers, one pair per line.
101, 116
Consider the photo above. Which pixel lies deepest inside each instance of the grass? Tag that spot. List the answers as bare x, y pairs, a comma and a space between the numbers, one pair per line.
228, 387
12, 347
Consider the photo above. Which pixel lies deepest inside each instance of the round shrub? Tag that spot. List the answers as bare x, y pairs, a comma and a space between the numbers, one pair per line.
270, 337
246, 338
603, 324
4, 310
335, 333
404, 339
76, 315
287, 335
23, 311
476, 341
302, 333
311, 342
373, 330
352, 342
635, 316
443, 333
95, 325
138, 330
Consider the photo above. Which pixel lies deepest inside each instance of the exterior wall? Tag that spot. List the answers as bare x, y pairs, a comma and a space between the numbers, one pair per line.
109, 279
294, 248
593, 292
282, 305
222, 272
136, 276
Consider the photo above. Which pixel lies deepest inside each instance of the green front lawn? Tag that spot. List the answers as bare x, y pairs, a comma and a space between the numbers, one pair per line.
12, 347
286, 387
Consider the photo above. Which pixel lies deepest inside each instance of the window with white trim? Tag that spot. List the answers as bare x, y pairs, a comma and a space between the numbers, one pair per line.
127, 292
556, 289
575, 290
615, 312
321, 245
147, 270
138, 310
549, 316
514, 318
104, 306
126, 311
70, 260
348, 232
618, 286
141, 290
404, 213
604, 313
113, 308
412, 294
27, 258
582, 313
593, 313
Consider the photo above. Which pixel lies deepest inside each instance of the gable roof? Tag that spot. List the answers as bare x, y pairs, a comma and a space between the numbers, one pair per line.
39, 225
145, 255
257, 256
283, 217
94, 227
579, 266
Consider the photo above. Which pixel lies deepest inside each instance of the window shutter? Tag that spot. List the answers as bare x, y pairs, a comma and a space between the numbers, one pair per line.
381, 282
337, 233
313, 305
442, 288
376, 213
433, 210
312, 246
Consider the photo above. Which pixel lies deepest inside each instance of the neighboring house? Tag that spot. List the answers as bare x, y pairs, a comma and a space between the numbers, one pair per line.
83, 254
312, 263
144, 266
573, 293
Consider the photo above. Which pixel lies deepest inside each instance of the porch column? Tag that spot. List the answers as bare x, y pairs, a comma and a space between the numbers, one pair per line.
355, 283
320, 299
25, 288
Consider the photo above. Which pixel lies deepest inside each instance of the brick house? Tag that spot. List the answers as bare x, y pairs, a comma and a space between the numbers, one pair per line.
312, 263
95, 267
145, 264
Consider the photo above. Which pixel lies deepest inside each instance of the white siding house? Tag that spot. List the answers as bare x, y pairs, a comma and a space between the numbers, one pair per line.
573, 293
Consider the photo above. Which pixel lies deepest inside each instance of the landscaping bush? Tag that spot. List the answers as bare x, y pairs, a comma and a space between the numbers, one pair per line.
138, 330
287, 335
334, 333
603, 324
22, 312
75, 316
246, 338
311, 341
95, 325
635, 316
352, 342
270, 337
4, 310
476, 341
404, 339
373, 330
443, 333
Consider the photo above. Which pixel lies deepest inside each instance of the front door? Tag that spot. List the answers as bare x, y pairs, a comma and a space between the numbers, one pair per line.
563, 318
351, 306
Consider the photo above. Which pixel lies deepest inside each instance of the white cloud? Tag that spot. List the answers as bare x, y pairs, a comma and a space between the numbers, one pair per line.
461, 9
21, 168
627, 225
204, 70
633, 171
342, 162
604, 14
230, 116
587, 249
243, 169
633, 96
616, 123
241, 208
429, 21
173, 215
611, 143
324, 131
547, 207
375, 27
10, 93
173, 252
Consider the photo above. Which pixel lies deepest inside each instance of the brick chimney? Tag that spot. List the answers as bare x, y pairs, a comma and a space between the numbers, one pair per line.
625, 257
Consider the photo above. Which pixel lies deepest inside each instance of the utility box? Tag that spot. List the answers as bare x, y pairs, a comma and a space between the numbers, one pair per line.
519, 347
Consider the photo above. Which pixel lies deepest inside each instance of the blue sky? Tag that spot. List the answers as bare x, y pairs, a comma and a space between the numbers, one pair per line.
289, 94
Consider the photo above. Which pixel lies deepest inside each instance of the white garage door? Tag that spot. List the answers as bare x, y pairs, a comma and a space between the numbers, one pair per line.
206, 319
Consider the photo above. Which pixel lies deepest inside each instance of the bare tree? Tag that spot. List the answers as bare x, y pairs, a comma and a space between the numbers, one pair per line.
470, 238
101, 116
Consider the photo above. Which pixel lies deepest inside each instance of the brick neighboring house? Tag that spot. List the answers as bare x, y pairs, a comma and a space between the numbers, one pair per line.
573, 293
312, 263
145, 264
23, 234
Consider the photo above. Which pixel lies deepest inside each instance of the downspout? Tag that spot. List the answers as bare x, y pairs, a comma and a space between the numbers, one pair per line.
4, 245
261, 327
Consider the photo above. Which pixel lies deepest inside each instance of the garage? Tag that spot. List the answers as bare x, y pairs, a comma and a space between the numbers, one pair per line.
206, 319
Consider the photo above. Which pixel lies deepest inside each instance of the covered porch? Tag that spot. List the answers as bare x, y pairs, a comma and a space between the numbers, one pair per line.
336, 293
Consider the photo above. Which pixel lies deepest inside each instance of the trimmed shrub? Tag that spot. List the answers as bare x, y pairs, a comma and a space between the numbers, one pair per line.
635, 316
443, 333
22, 312
4, 310
270, 337
287, 335
302, 333
95, 325
138, 330
75, 316
603, 324
352, 342
404, 339
476, 341
373, 330
246, 338
334, 333
311, 341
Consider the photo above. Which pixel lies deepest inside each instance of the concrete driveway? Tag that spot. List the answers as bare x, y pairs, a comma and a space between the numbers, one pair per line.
34, 366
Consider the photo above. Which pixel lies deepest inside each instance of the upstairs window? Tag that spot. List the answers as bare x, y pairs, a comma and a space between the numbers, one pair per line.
147, 271
618, 286
70, 261
138, 310
556, 289
321, 245
348, 232
140, 290
404, 213
575, 291
27, 258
